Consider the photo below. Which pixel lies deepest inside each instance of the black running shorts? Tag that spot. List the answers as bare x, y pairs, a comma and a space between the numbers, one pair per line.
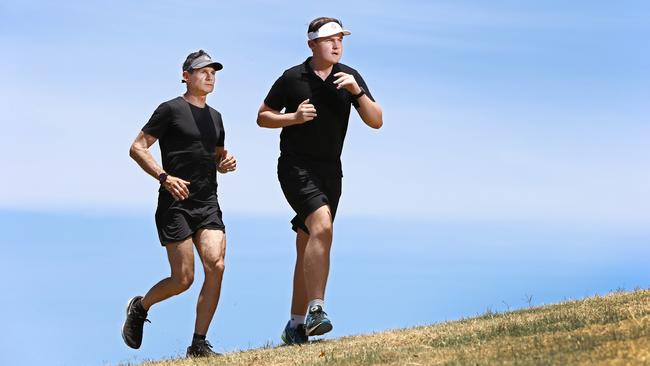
179, 220
306, 191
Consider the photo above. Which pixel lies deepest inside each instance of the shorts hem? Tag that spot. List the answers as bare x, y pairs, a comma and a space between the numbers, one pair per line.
165, 242
299, 221
207, 226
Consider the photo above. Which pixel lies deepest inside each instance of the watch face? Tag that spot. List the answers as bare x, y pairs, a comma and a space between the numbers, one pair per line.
162, 178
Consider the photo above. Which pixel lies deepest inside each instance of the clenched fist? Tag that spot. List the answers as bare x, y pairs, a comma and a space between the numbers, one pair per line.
305, 112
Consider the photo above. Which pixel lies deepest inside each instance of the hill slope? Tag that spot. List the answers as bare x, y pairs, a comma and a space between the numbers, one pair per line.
612, 330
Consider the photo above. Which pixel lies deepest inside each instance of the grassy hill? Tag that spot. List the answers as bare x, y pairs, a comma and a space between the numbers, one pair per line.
611, 330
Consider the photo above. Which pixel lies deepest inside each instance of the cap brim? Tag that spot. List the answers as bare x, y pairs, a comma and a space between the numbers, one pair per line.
217, 66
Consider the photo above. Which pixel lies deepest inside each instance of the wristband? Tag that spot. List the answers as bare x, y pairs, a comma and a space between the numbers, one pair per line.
361, 93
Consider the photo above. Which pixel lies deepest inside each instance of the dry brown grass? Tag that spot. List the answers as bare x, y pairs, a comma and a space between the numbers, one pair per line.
609, 330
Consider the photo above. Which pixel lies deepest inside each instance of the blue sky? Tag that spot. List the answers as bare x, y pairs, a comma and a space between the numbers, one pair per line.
527, 117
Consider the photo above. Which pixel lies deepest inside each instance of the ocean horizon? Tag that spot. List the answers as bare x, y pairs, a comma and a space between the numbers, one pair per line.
69, 276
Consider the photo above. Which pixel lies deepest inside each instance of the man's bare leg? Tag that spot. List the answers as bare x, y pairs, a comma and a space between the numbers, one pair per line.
181, 261
317, 252
299, 299
316, 266
211, 245
310, 276
294, 332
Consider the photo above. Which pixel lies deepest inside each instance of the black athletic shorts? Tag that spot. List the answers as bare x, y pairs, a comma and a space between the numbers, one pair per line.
306, 190
179, 220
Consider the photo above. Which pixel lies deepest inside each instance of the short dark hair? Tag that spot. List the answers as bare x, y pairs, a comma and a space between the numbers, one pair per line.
320, 21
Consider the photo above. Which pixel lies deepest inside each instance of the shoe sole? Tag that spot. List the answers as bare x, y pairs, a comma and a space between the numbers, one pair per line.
320, 329
289, 343
128, 306
189, 354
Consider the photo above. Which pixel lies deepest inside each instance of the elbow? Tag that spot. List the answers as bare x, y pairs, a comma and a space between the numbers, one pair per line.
376, 121
133, 152
379, 120
373, 118
260, 120
263, 121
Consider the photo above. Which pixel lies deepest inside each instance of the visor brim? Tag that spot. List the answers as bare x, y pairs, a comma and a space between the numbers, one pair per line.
217, 66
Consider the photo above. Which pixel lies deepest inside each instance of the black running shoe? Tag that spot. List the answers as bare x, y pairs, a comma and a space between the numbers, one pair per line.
135, 318
294, 335
201, 348
316, 322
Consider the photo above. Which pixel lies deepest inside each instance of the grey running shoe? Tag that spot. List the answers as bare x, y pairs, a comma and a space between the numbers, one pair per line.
316, 322
201, 348
295, 335
135, 318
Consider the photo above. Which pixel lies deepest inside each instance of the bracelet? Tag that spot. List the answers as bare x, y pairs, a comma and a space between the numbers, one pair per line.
362, 93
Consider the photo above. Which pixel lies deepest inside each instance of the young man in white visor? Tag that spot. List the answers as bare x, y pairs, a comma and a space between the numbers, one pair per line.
316, 97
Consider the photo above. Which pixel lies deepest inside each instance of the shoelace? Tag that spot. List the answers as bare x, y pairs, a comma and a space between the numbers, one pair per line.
202, 348
204, 344
140, 317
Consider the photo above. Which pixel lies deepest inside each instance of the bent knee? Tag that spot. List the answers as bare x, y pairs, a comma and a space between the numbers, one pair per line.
217, 266
323, 230
183, 281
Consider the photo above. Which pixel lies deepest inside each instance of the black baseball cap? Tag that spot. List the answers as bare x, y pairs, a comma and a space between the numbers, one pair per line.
200, 59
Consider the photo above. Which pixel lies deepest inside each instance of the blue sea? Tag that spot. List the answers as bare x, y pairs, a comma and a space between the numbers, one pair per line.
67, 278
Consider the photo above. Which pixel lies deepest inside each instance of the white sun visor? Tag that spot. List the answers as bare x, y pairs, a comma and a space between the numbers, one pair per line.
328, 29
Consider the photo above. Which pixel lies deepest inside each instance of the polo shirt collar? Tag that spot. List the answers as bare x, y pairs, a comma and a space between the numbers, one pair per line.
306, 68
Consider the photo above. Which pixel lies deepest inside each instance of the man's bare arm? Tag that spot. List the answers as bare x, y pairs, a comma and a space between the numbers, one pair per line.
270, 118
369, 111
139, 151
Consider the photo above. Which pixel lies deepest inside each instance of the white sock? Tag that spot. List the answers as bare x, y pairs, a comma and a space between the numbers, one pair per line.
296, 320
316, 302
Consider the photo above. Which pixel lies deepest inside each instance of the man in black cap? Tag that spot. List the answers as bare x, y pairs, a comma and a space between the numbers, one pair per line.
316, 97
191, 138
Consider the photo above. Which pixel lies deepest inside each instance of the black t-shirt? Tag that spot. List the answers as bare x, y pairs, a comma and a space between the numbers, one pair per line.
317, 143
188, 137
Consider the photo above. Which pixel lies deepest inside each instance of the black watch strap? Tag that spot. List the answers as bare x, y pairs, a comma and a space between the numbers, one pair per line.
361, 93
162, 177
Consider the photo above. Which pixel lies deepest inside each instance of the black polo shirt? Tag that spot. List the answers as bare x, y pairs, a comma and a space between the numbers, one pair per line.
317, 143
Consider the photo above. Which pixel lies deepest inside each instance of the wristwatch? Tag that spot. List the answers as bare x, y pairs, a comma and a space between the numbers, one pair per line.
162, 177
361, 93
